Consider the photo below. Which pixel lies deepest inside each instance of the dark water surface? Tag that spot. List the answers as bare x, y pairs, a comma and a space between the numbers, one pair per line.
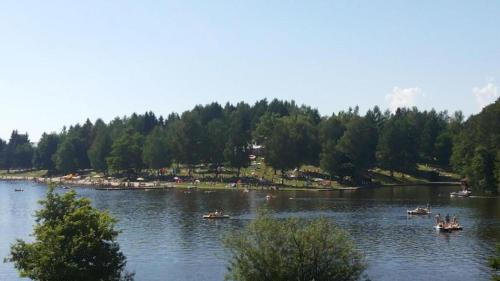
165, 238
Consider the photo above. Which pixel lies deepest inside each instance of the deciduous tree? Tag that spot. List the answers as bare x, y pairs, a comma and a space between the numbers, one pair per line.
72, 241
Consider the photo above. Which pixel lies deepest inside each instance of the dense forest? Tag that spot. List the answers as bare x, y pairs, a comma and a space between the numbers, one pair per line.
345, 145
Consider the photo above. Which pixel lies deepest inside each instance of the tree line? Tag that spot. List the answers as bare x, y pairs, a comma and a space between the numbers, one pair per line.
345, 145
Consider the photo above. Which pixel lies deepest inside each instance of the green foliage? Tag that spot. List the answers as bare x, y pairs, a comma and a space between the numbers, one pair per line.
3, 152
187, 139
292, 249
443, 148
100, 148
289, 141
126, 152
280, 151
345, 145
433, 125
19, 152
475, 149
237, 149
397, 148
481, 169
156, 153
358, 145
217, 135
72, 241
494, 262
334, 162
66, 159
45, 150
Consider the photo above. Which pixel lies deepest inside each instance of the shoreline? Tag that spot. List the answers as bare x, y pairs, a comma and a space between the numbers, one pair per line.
113, 184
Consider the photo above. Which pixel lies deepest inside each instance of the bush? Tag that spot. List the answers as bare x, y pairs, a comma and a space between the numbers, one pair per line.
292, 249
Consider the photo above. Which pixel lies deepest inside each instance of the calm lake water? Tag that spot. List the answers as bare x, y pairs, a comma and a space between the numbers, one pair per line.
165, 238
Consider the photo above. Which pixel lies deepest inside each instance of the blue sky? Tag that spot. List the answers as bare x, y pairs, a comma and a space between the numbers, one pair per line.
64, 61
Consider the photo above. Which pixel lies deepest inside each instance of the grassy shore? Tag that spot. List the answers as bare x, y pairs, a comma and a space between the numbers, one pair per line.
23, 173
202, 178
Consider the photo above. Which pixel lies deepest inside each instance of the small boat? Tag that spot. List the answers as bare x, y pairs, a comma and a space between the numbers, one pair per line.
18, 190
465, 192
419, 211
443, 228
461, 193
215, 216
269, 197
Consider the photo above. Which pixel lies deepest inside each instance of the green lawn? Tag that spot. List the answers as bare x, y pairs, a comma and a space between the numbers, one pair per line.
24, 173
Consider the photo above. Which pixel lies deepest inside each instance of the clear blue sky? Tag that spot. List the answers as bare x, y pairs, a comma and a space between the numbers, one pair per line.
64, 61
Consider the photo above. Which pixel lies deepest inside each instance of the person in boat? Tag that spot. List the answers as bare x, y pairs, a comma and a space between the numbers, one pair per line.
438, 219
447, 218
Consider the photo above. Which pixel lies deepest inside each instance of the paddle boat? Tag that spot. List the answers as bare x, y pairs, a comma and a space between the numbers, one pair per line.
419, 211
447, 225
448, 228
18, 189
465, 192
461, 193
216, 215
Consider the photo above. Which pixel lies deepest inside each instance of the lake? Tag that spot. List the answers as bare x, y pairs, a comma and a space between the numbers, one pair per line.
165, 238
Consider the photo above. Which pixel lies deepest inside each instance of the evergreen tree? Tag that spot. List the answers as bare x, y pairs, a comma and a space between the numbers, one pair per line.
358, 145
335, 162
66, 159
45, 150
475, 149
100, 148
126, 153
280, 148
156, 153
217, 139
237, 149
482, 169
397, 148
3, 152
19, 152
